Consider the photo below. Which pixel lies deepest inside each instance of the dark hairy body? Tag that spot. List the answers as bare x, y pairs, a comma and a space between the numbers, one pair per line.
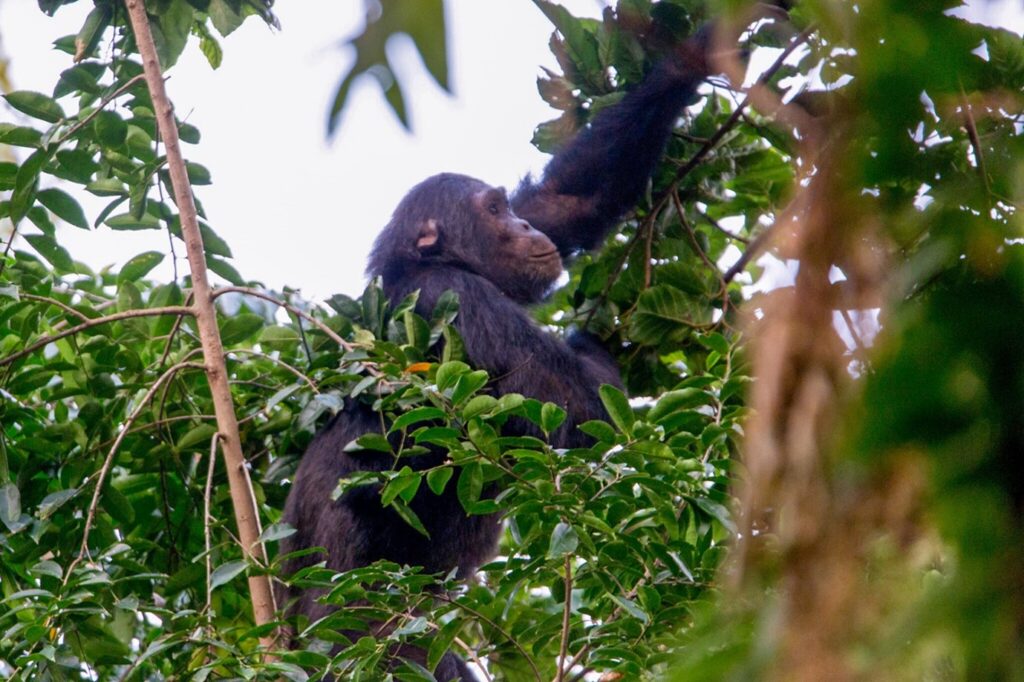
498, 253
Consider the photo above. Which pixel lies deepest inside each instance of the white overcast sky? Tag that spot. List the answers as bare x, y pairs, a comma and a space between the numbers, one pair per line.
296, 209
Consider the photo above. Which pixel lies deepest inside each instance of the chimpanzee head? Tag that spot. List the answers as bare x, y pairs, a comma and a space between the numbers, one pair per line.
455, 220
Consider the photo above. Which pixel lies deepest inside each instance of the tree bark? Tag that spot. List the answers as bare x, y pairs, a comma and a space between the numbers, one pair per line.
242, 497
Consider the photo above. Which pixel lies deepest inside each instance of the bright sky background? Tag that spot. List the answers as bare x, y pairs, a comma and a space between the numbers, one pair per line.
296, 209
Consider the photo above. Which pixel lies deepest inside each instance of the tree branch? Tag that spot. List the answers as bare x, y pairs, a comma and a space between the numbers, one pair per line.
125, 315
256, 293
101, 476
102, 105
242, 497
754, 249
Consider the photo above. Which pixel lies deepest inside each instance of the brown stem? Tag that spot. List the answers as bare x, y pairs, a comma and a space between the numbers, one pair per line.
563, 647
754, 249
278, 361
54, 302
972, 133
174, 332
101, 476
102, 105
256, 293
125, 315
504, 633
736, 115
207, 523
242, 498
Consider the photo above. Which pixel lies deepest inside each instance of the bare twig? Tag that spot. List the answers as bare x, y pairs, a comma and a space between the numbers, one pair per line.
500, 630
474, 657
102, 105
174, 331
256, 293
563, 647
54, 302
754, 249
242, 497
101, 476
282, 363
207, 523
972, 133
718, 226
125, 315
734, 118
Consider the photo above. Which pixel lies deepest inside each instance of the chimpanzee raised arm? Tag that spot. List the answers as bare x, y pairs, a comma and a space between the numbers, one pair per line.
601, 173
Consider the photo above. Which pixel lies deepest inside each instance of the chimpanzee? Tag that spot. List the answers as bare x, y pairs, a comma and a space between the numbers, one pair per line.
497, 252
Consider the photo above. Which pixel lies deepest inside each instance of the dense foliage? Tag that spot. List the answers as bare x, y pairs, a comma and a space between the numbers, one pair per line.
119, 557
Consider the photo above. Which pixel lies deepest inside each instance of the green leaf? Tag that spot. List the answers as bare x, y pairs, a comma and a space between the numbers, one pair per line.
126, 221
415, 416
225, 270
631, 608
564, 540
224, 18
117, 505
41, 219
715, 510
139, 266
279, 338
8, 174
224, 573
599, 430
441, 641
580, 43
276, 531
54, 501
25, 184
663, 312
49, 249
63, 206
171, 31
91, 33
479, 405
208, 45
405, 483
470, 485
47, 568
448, 374
239, 328
110, 187
410, 517
551, 417
19, 136
80, 78
197, 438
618, 408
10, 506
413, 627
198, 174
467, 385
110, 128
369, 441
680, 399
36, 105
438, 478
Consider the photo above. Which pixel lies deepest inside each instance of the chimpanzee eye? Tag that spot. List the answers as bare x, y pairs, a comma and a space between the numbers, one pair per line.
493, 208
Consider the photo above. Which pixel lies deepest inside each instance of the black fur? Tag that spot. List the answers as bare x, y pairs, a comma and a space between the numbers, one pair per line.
584, 190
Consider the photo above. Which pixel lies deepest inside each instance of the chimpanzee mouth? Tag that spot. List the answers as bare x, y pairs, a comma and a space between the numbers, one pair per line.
544, 256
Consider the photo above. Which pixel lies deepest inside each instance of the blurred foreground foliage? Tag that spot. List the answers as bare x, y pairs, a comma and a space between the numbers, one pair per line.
615, 555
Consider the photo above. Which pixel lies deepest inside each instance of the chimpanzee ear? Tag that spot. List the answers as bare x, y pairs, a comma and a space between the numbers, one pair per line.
429, 236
